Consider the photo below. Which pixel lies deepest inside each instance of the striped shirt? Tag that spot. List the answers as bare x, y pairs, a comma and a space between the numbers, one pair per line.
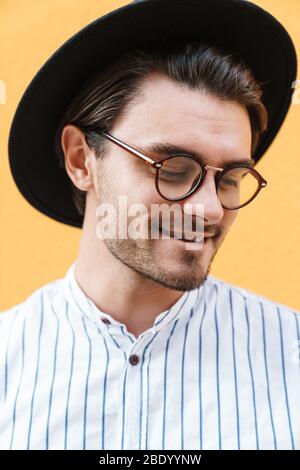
219, 370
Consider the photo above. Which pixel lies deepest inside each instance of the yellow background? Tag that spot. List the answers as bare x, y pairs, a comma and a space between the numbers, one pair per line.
261, 252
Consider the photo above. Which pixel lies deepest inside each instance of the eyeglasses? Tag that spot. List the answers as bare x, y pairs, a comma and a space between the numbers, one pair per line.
180, 175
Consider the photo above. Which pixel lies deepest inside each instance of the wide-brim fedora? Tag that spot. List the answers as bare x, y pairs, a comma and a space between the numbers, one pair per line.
238, 25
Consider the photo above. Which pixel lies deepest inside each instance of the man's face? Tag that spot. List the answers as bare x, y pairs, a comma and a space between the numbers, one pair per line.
169, 112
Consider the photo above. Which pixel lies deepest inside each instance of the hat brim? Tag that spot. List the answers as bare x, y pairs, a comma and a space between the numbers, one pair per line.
238, 25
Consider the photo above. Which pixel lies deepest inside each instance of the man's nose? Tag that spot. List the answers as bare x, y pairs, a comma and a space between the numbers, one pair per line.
206, 195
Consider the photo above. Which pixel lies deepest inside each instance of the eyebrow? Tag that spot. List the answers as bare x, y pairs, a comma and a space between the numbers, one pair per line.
167, 149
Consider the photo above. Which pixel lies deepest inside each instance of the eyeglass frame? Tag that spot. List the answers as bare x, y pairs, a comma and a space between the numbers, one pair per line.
157, 165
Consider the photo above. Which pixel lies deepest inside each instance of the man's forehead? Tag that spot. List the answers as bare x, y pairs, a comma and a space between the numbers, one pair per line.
165, 118
166, 103
159, 90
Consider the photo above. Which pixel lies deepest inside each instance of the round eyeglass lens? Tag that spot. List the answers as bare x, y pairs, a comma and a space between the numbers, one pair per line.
236, 187
178, 176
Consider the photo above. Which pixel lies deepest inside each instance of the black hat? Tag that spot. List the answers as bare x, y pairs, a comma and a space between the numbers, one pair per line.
237, 25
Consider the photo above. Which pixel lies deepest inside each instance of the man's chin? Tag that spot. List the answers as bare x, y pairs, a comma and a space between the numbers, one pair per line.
180, 279
183, 271
183, 283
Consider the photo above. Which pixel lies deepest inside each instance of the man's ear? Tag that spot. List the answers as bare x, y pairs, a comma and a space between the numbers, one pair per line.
78, 157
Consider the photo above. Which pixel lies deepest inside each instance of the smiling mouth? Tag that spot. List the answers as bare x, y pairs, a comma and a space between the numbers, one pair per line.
182, 238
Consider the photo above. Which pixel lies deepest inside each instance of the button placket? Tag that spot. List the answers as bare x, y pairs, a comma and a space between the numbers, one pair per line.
137, 372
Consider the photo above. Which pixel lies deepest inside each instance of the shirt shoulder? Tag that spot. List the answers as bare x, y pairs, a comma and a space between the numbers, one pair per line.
32, 303
249, 295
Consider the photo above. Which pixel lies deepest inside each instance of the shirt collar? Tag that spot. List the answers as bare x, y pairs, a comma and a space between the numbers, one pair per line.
85, 306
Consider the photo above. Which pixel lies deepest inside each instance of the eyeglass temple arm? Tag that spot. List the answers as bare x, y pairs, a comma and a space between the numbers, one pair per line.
131, 150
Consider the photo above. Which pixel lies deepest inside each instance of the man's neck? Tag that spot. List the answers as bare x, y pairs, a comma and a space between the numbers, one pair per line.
116, 289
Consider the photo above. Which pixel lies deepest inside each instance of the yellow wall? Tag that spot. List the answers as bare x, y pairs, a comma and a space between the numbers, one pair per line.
260, 253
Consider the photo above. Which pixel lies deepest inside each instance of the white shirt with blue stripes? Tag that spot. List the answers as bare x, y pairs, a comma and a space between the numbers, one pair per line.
219, 370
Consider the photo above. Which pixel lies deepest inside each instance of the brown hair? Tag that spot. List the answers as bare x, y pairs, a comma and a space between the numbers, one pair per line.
106, 97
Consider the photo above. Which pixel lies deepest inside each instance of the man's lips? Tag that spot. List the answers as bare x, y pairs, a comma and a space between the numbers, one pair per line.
189, 237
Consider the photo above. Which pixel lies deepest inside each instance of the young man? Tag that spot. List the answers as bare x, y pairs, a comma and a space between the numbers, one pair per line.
138, 347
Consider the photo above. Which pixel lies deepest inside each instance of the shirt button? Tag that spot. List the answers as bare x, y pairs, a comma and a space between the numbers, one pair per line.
134, 359
106, 321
